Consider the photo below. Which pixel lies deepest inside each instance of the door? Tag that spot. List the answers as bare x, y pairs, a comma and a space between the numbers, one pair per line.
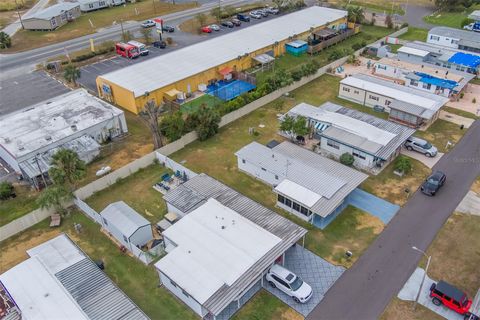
282, 285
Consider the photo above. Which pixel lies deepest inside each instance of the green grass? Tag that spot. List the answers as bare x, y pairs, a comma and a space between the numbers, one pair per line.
440, 133
265, 306
16, 207
193, 105
414, 33
380, 6
395, 47
459, 112
135, 190
451, 19
138, 281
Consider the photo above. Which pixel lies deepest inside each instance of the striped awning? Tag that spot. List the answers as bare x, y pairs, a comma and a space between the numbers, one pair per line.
321, 126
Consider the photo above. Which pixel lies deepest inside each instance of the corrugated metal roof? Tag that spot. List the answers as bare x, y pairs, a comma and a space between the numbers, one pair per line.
169, 68
352, 139
124, 218
413, 51
455, 33
401, 133
52, 11
203, 186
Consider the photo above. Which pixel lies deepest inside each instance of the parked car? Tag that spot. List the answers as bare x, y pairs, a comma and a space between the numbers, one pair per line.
422, 146
263, 12
433, 183
255, 15
288, 282
148, 24
272, 10
206, 29
227, 24
215, 27
166, 28
243, 17
451, 297
236, 22
160, 44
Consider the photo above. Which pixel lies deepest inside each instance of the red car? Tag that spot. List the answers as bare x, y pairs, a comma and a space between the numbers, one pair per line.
206, 29
451, 297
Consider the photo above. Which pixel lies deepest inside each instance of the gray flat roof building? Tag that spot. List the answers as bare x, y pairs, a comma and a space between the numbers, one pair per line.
466, 39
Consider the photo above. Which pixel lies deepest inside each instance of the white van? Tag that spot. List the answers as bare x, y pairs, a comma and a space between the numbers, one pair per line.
140, 46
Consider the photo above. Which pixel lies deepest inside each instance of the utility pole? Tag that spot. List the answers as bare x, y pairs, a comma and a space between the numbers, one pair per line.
154, 7
424, 275
19, 16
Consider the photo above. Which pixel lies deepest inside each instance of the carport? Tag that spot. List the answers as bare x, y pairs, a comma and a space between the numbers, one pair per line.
315, 271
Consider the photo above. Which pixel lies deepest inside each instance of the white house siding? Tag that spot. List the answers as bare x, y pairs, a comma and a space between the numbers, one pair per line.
117, 234
363, 97
443, 41
141, 236
389, 71
182, 295
352, 94
410, 58
366, 163
172, 208
169, 244
432, 88
260, 173
12, 162
294, 212
94, 5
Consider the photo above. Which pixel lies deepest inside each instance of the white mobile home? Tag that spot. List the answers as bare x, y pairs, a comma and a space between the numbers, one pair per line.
52, 17
91, 5
308, 185
219, 252
455, 38
126, 225
373, 142
408, 106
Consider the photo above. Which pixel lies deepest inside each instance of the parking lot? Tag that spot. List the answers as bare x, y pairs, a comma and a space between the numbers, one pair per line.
23, 91
315, 271
181, 39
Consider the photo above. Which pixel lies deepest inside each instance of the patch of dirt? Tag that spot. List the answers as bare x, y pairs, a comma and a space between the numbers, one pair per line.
394, 189
15, 252
291, 314
369, 221
476, 186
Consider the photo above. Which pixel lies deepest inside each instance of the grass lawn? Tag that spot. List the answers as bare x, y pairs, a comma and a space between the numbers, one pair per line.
138, 281
391, 187
459, 112
15, 208
456, 247
27, 39
440, 133
193, 105
265, 306
136, 190
451, 19
380, 6
414, 33
12, 5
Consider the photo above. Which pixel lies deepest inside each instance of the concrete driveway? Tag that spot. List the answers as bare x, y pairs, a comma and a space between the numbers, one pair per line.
410, 290
429, 162
315, 271
470, 204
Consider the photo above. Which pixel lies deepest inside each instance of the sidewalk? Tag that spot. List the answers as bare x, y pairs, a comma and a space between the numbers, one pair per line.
12, 28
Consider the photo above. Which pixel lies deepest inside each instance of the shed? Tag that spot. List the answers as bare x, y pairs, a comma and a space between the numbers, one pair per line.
379, 50
297, 47
126, 225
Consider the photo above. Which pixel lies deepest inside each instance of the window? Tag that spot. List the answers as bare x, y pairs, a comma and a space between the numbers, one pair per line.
288, 202
173, 283
125, 239
359, 154
276, 177
379, 66
283, 283
435, 38
296, 207
413, 82
102, 3
346, 89
105, 221
305, 211
387, 102
356, 91
185, 294
264, 169
90, 5
243, 160
372, 97
333, 144
281, 198
454, 41
426, 86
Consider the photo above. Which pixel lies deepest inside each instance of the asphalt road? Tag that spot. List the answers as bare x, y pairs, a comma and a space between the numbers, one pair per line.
9, 62
414, 15
365, 290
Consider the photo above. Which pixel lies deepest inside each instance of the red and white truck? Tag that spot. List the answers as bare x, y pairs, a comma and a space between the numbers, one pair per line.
126, 50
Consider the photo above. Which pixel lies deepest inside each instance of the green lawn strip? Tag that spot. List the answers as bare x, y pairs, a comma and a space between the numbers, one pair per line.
16, 207
136, 190
414, 33
207, 99
138, 281
451, 19
441, 132
263, 306
459, 112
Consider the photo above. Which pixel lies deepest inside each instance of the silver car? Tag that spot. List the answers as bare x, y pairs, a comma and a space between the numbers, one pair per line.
420, 145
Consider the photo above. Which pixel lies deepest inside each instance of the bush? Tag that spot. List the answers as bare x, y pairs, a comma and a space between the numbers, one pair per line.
466, 21
172, 126
334, 55
357, 46
6, 190
403, 164
404, 25
347, 159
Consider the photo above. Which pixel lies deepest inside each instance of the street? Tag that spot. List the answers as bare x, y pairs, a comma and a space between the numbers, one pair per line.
365, 290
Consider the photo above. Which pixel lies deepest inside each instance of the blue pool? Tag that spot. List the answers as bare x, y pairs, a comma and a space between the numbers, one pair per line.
229, 90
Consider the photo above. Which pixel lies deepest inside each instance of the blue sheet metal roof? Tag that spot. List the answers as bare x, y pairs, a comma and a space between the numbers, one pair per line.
444, 83
465, 59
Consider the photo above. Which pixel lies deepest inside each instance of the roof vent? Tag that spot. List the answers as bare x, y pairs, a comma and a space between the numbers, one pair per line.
223, 227
48, 138
74, 127
7, 140
21, 148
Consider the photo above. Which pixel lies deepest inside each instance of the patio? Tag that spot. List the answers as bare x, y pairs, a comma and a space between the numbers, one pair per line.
315, 271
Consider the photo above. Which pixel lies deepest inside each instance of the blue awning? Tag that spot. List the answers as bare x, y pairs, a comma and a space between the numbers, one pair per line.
321, 126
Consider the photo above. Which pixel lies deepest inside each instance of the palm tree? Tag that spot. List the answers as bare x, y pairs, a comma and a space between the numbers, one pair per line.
150, 114
71, 74
54, 197
5, 41
355, 14
67, 169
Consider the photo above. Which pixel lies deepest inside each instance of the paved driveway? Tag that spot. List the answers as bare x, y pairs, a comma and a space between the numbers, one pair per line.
374, 205
429, 162
389, 261
470, 204
315, 271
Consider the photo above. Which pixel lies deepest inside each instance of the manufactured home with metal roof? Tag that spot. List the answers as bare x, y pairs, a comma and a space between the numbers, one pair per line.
455, 38
308, 185
52, 17
220, 250
408, 106
373, 142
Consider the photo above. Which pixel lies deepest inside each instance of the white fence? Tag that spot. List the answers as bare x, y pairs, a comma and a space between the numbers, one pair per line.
148, 256
175, 166
104, 182
89, 211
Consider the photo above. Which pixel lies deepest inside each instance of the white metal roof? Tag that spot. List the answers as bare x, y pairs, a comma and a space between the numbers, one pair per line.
125, 219
169, 68
53, 120
52, 11
215, 246
413, 51
38, 294
298, 192
425, 100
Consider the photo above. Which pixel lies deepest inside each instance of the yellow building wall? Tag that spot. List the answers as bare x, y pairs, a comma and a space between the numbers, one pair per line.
125, 98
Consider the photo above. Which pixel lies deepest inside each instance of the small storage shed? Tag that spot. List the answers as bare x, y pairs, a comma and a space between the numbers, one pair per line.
379, 50
297, 47
126, 225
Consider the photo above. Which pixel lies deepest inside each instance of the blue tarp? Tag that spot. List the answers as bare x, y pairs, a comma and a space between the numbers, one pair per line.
228, 90
465, 59
444, 83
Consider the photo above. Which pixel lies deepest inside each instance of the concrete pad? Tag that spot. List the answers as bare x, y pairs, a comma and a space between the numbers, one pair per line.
374, 205
453, 118
471, 91
429, 162
410, 290
470, 204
